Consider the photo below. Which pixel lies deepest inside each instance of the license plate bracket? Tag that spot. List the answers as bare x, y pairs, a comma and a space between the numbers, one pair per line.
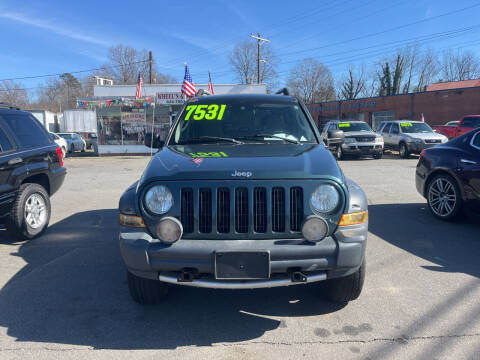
242, 265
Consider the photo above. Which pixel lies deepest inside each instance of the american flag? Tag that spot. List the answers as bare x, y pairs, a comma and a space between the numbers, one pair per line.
138, 94
188, 87
210, 85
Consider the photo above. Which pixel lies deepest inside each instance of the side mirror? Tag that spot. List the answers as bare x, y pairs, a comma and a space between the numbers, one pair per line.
335, 134
155, 142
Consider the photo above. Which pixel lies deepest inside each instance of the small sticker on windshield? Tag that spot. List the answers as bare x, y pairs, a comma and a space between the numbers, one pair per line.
344, 125
406, 124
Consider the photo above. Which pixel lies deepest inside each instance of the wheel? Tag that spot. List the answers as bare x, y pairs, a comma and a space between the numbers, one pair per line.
30, 212
339, 152
346, 288
378, 156
146, 291
444, 197
403, 151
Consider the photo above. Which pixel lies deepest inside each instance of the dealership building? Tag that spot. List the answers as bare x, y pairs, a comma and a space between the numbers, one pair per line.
440, 103
123, 122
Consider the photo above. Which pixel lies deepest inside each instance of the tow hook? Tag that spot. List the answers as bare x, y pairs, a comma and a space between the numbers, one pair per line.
298, 276
187, 275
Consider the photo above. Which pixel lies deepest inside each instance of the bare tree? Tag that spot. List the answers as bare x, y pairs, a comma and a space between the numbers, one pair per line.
353, 83
427, 69
125, 63
311, 81
243, 60
13, 93
459, 65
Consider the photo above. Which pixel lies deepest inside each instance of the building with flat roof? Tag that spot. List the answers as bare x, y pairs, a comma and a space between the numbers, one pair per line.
437, 106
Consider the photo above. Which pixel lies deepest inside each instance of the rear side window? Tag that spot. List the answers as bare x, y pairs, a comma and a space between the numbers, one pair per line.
27, 130
386, 128
4, 143
471, 122
476, 141
395, 129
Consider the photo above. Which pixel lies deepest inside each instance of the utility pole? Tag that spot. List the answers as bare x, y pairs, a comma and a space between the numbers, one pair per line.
150, 64
259, 41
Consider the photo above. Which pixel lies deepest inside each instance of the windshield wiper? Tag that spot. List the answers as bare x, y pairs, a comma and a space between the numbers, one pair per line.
211, 139
263, 136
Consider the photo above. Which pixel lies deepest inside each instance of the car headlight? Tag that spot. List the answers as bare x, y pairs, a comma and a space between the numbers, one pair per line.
418, 141
349, 140
444, 139
379, 139
325, 198
158, 199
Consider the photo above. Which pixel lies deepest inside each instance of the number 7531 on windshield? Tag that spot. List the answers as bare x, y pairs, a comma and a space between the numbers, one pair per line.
205, 112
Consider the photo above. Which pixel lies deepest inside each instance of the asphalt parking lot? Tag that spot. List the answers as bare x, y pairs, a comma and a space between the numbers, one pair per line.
65, 294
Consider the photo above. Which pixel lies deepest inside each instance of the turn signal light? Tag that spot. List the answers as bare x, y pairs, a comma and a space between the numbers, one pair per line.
132, 221
353, 218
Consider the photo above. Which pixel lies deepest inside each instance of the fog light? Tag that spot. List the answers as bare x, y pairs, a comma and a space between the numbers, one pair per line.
314, 228
169, 230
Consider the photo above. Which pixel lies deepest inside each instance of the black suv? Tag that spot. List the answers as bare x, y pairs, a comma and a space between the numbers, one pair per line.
31, 170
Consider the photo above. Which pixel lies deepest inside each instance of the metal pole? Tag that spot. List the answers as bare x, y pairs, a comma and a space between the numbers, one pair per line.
153, 122
150, 61
259, 40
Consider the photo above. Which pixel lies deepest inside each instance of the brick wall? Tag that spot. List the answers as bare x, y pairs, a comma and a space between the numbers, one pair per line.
438, 107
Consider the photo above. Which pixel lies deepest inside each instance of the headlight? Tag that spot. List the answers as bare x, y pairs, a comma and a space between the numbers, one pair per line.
349, 140
325, 198
158, 199
418, 141
444, 139
379, 139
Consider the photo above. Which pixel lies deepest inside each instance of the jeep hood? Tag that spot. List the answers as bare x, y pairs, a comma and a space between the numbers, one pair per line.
242, 162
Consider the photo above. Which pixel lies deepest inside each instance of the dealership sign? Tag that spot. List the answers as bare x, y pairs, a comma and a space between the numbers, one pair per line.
133, 117
170, 98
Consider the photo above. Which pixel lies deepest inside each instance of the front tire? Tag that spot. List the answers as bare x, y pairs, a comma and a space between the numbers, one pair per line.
347, 288
403, 151
146, 291
339, 153
30, 212
444, 197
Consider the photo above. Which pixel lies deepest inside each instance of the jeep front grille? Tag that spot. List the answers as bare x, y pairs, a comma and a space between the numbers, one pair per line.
242, 210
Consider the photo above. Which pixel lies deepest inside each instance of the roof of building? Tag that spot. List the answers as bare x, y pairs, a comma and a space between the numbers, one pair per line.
453, 85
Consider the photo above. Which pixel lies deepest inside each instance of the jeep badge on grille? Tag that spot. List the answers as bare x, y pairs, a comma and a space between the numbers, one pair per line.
237, 173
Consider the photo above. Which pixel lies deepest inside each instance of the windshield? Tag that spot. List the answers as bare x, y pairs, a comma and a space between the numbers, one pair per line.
411, 128
65, 136
246, 120
354, 126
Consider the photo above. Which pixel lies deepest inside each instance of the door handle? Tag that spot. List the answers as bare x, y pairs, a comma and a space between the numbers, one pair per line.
15, 161
465, 161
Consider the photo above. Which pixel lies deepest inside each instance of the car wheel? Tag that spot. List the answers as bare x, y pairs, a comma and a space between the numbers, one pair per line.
403, 151
339, 153
146, 291
346, 288
444, 197
30, 212
378, 156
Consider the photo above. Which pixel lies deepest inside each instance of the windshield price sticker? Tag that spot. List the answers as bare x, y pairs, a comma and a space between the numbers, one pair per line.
344, 125
208, 155
406, 124
205, 112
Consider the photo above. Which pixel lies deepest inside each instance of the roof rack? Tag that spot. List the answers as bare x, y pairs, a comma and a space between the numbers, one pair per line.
283, 91
8, 106
202, 92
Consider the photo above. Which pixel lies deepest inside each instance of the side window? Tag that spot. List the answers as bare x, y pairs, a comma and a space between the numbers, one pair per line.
27, 129
471, 122
386, 128
4, 143
395, 129
476, 141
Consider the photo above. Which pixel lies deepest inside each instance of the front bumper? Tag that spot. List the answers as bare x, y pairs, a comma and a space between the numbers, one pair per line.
416, 148
363, 148
338, 255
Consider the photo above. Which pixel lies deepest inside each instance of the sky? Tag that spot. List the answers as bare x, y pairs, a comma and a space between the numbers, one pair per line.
45, 37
